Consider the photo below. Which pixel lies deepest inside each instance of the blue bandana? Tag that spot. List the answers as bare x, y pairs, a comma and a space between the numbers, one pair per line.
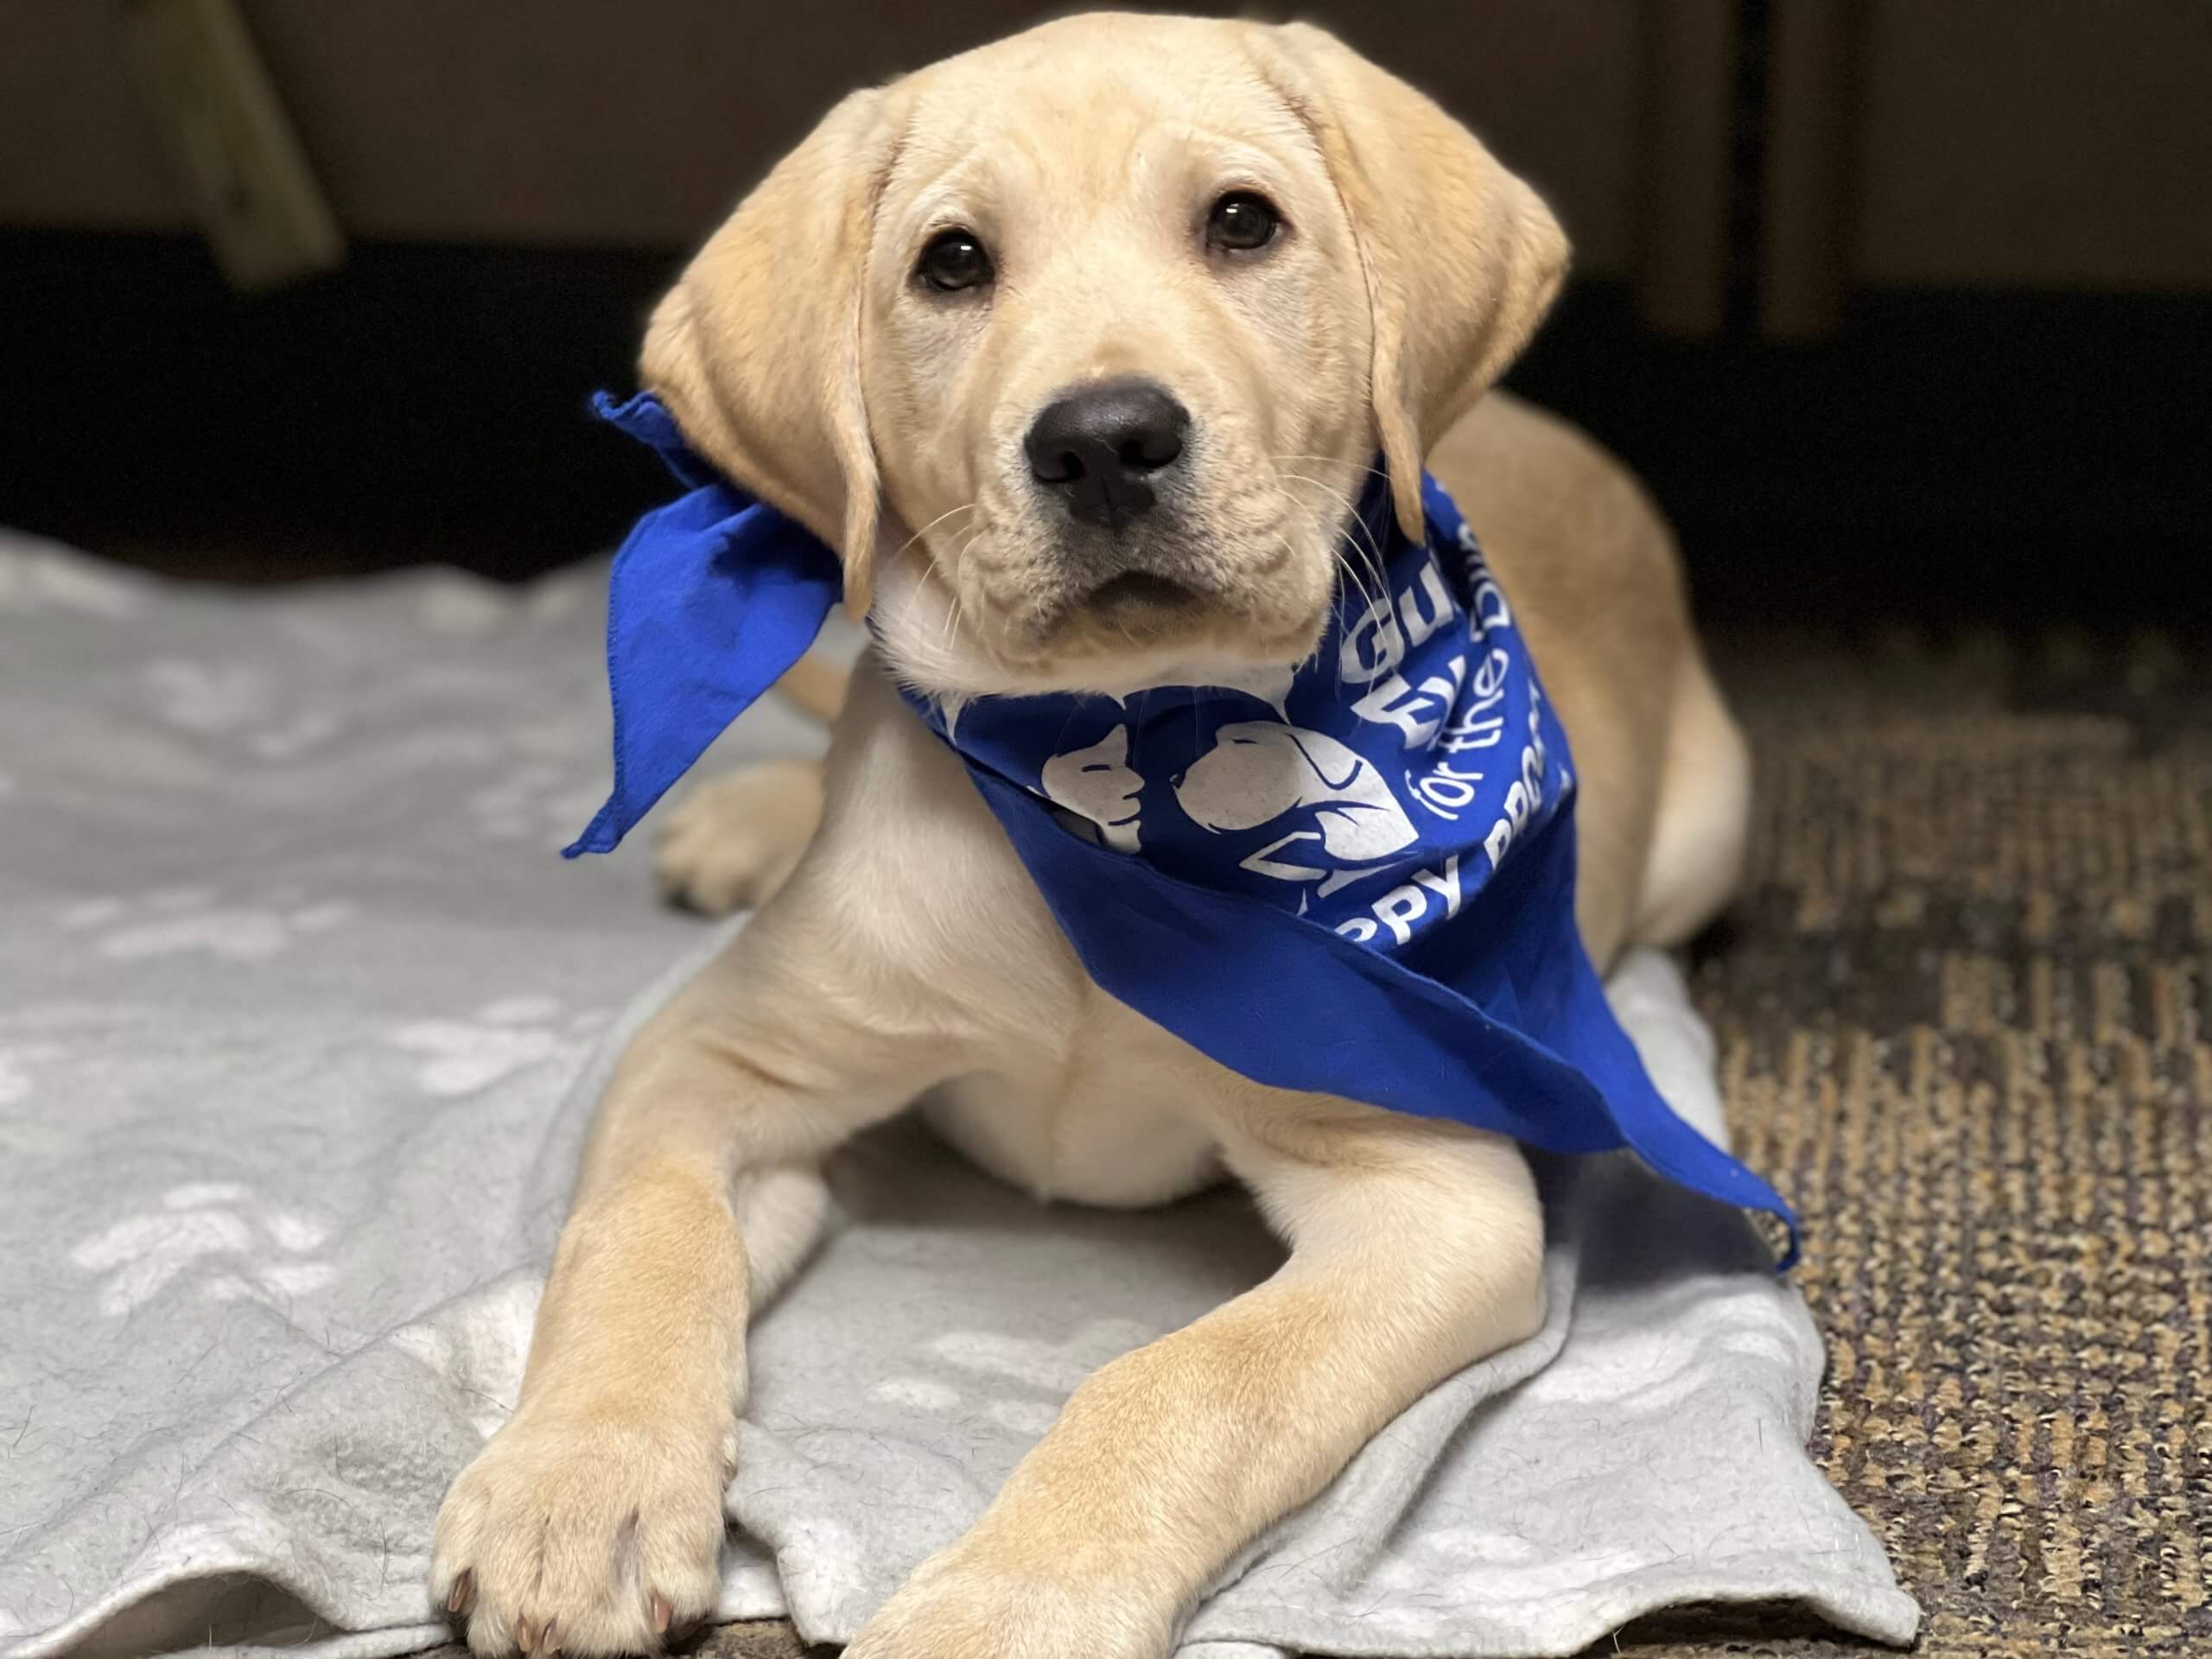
1357, 878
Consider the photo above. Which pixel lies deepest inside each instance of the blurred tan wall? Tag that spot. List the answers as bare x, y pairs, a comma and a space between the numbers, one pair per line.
2052, 143
590, 121
2027, 142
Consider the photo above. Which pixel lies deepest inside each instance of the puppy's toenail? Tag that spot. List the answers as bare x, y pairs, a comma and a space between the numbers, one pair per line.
457, 1598
525, 1635
662, 1613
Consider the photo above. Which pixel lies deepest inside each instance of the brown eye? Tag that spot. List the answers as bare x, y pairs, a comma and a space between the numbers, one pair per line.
1241, 221
954, 259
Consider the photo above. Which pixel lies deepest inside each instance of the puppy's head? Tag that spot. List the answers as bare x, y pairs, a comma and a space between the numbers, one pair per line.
1079, 346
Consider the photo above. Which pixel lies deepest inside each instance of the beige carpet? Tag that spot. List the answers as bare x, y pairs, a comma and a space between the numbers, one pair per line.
1966, 1020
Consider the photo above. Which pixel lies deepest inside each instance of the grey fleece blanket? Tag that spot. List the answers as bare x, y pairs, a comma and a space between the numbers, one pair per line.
300, 1023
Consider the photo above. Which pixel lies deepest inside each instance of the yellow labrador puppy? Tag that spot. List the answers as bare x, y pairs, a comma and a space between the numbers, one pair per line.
1295, 260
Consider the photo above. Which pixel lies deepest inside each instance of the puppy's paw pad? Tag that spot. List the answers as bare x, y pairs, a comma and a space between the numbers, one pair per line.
731, 844
583, 1537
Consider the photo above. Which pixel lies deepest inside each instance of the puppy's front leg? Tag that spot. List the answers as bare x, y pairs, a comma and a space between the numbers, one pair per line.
1416, 1248
593, 1519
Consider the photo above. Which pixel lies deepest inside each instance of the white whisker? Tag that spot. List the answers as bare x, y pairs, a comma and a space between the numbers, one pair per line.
1335, 460
1363, 539
965, 506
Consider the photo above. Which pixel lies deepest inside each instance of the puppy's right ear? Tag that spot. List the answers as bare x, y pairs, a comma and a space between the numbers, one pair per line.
756, 350
1460, 257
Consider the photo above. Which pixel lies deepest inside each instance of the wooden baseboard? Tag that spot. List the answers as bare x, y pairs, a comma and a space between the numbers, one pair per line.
213, 99
1683, 174
1815, 53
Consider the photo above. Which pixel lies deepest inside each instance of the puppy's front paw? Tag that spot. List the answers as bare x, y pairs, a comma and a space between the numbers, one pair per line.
731, 844
965, 1604
582, 1533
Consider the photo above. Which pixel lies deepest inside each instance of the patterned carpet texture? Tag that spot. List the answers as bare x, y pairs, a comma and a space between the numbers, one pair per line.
1965, 1012
1965, 1020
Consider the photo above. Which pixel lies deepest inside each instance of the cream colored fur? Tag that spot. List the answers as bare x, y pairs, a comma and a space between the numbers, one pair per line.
904, 953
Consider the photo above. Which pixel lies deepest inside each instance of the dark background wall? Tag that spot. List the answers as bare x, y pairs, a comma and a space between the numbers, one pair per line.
1893, 301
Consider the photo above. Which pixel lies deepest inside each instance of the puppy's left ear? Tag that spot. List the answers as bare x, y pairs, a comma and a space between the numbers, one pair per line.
1461, 259
756, 350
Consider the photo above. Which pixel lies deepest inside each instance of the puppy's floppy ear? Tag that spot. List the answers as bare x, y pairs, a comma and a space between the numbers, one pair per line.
757, 350
1461, 259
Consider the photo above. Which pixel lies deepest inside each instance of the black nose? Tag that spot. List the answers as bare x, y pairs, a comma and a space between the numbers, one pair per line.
1098, 446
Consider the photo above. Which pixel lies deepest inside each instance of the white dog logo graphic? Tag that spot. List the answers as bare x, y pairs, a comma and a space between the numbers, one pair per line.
1258, 770
1098, 784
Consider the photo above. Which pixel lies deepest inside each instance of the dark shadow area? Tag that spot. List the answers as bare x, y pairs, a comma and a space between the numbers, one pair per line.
2012, 455
236, 1609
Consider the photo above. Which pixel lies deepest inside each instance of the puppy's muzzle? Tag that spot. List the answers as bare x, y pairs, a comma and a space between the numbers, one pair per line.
1099, 449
